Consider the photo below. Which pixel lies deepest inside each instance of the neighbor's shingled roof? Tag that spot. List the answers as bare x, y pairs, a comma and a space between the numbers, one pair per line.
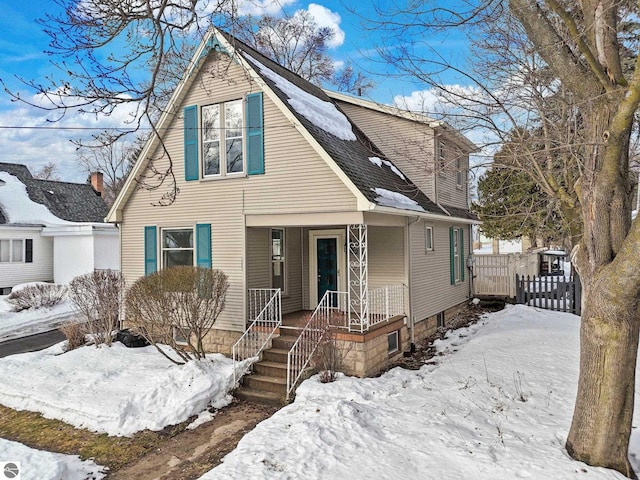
75, 202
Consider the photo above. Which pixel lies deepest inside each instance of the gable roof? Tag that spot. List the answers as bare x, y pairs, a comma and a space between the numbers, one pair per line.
361, 165
74, 202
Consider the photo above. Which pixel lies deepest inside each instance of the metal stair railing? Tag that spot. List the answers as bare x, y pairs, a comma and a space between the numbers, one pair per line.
332, 308
260, 331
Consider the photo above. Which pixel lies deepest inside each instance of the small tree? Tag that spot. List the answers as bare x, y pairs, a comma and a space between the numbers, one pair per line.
182, 302
98, 296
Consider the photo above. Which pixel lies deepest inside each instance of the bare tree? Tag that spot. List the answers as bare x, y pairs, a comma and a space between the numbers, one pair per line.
48, 171
177, 307
113, 157
586, 53
294, 41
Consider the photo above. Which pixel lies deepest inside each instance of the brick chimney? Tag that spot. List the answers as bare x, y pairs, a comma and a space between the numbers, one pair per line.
97, 182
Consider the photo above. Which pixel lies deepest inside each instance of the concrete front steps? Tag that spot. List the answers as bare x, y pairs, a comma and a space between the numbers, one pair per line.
267, 383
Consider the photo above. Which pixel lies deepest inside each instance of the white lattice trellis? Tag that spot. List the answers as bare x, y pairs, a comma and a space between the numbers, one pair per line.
357, 278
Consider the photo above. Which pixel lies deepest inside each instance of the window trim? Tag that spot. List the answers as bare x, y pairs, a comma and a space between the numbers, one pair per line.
456, 255
222, 140
163, 249
282, 260
459, 177
428, 239
442, 158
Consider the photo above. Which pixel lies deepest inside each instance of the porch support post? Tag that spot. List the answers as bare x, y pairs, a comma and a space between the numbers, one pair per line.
358, 293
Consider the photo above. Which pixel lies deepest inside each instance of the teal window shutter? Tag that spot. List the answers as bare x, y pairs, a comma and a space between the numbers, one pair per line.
452, 265
203, 245
461, 246
150, 250
255, 134
191, 143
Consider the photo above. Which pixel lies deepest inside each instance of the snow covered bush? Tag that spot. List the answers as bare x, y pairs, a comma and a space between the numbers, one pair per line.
36, 295
99, 297
178, 307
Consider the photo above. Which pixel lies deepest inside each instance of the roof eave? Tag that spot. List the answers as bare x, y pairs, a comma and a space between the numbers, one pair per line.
425, 215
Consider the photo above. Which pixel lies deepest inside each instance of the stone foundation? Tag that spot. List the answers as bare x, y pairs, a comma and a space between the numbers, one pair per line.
221, 341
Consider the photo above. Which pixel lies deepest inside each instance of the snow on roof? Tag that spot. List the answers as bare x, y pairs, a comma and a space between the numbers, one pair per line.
378, 161
19, 208
323, 114
388, 198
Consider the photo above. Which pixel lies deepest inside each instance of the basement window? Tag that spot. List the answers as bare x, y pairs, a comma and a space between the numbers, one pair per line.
440, 319
393, 344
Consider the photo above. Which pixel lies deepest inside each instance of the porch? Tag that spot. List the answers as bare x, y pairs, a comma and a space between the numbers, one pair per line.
283, 346
289, 320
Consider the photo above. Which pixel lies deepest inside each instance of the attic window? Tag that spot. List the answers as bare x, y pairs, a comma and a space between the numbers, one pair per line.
222, 139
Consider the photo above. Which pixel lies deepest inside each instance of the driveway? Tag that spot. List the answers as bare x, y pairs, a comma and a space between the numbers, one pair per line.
31, 343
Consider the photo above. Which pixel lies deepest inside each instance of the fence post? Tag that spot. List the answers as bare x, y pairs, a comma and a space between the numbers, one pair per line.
518, 290
577, 294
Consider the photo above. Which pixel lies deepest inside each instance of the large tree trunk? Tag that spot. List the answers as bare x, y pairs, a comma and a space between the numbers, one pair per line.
603, 413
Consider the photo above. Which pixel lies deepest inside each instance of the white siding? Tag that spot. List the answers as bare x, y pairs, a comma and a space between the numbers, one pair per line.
431, 290
296, 180
73, 255
41, 270
106, 250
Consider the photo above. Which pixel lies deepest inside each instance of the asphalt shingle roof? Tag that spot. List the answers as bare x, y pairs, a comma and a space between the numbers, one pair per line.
351, 156
75, 202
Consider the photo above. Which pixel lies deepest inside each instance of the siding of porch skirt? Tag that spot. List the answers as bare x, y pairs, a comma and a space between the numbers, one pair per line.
407, 144
386, 256
40, 270
431, 289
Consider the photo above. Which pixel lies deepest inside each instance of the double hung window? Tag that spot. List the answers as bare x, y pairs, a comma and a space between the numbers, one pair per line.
16, 250
223, 152
177, 247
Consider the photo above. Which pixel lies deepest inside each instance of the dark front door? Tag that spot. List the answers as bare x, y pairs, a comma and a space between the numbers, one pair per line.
327, 265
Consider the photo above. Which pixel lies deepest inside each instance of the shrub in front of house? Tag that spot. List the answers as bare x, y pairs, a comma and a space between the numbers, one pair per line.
99, 296
36, 295
177, 307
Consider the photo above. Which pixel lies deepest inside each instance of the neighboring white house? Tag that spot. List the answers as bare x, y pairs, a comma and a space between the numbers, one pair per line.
52, 231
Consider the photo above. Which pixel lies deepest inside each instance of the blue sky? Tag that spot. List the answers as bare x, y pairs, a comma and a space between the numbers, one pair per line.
22, 43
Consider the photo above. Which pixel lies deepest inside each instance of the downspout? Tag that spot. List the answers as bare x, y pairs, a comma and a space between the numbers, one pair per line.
412, 347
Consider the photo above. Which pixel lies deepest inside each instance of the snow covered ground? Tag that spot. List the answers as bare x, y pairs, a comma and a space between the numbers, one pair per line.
29, 322
40, 465
496, 404
115, 389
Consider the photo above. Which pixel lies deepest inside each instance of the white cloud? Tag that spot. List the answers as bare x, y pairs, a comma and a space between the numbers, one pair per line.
32, 138
326, 18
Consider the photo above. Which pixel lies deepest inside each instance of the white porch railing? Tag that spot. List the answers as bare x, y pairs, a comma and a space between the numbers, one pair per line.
265, 315
385, 303
331, 311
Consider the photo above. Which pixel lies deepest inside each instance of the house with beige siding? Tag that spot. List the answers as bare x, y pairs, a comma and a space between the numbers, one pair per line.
322, 209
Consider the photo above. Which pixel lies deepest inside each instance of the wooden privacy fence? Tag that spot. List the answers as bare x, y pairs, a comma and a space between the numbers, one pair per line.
494, 275
558, 293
